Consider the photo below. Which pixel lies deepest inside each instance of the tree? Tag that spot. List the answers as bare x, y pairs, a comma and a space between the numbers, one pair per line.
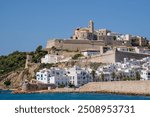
138, 77
93, 75
38, 49
102, 77
113, 75
76, 56
13, 61
120, 76
38, 54
114, 38
71, 85
7, 83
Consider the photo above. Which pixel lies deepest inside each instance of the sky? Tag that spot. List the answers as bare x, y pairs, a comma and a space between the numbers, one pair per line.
25, 24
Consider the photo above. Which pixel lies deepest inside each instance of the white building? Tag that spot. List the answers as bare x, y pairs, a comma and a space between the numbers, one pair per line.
124, 49
49, 58
76, 76
90, 52
79, 76
54, 75
145, 74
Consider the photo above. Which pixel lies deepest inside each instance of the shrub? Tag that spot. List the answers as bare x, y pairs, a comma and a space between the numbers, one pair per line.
76, 56
7, 83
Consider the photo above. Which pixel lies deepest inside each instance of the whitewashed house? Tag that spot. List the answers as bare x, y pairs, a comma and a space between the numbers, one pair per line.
53, 75
79, 76
145, 74
87, 53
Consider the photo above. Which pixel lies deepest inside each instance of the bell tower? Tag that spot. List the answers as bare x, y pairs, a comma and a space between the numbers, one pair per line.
91, 26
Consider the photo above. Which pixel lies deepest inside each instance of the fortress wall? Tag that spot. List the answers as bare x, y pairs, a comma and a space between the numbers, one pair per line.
105, 58
115, 56
34, 87
75, 44
128, 87
80, 46
119, 55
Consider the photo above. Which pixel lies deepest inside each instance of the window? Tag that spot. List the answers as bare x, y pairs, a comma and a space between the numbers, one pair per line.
57, 73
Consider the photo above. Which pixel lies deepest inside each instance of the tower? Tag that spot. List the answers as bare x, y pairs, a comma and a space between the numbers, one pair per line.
28, 60
91, 26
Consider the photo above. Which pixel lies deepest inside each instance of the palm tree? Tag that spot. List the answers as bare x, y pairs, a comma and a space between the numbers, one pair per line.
93, 75
102, 77
138, 77
113, 75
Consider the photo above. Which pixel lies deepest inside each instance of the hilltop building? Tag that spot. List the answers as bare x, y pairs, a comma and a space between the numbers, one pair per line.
89, 38
104, 43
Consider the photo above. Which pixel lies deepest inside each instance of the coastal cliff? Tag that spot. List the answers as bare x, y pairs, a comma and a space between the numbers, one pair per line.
18, 77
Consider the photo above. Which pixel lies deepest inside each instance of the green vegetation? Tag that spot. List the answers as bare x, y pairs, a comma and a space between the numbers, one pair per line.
135, 42
16, 60
113, 75
102, 77
94, 66
61, 85
7, 83
38, 54
71, 85
43, 65
76, 56
138, 77
114, 37
93, 72
12, 62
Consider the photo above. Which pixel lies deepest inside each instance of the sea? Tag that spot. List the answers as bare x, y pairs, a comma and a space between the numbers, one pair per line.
7, 95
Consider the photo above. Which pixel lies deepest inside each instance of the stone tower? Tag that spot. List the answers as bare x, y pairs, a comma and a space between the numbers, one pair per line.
28, 60
91, 26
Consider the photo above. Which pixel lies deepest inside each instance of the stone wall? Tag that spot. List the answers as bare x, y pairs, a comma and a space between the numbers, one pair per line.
127, 87
74, 44
36, 86
113, 56
119, 55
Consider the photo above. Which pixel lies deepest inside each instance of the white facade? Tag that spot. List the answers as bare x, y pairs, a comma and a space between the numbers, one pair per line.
145, 74
49, 58
55, 76
78, 76
90, 52
124, 49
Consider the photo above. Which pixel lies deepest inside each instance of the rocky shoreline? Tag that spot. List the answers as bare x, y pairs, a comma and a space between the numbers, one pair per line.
53, 91
117, 87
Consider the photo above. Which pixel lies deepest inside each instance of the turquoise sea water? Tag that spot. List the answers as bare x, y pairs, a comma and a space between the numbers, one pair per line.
7, 95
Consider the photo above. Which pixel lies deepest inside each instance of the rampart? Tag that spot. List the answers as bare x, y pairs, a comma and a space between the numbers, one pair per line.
113, 56
36, 86
74, 45
125, 87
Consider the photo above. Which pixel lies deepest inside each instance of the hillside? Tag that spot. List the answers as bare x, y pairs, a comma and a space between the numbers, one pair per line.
12, 67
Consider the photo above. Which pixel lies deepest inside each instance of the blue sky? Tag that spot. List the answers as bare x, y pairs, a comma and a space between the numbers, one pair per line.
25, 24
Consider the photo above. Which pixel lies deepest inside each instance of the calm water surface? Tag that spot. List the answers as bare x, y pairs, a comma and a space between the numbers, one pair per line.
7, 95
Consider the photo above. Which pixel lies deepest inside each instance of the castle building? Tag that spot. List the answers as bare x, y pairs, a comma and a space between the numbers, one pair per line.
88, 38
85, 33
